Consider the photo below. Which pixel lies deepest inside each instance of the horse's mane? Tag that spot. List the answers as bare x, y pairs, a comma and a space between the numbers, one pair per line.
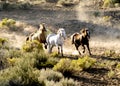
60, 30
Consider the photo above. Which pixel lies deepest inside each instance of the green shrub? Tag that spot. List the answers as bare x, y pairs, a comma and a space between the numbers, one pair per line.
44, 61
8, 24
30, 46
75, 65
63, 66
69, 82
53, 78
107, 18
67, 2
5, 5
2, 43
50, 75
25, 5
109, 53
86, 62
82, 64
22, 74
110, 3
118, 66
111, 74
54, 54
67, 66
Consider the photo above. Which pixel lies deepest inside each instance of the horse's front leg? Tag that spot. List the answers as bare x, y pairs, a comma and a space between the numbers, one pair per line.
49, 51
61, 50
58, 49
83, 48
88, 49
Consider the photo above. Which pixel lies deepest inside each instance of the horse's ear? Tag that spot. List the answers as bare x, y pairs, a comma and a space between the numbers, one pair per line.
42, 27
86, 29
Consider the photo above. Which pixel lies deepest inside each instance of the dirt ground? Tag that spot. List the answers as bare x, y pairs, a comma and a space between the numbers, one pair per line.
104, 35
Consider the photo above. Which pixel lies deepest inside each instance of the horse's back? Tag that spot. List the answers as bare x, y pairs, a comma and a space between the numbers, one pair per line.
50, 37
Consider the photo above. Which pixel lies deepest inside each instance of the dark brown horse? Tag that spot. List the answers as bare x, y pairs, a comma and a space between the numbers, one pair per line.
39, 35
81, 38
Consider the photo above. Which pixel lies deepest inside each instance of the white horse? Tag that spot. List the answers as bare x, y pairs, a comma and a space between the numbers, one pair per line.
56, 40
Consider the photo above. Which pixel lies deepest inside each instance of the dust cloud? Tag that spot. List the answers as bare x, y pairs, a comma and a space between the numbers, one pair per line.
105, 33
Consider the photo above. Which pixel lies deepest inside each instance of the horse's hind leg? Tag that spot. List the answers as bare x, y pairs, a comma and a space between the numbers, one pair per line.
50, 48
88, 49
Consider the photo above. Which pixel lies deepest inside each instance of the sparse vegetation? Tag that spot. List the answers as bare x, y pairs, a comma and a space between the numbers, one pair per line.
109, 53
8, 5
111, 3
31, 65
26, 68
69, 67
67, 2
2, 42
7, 23
30, 46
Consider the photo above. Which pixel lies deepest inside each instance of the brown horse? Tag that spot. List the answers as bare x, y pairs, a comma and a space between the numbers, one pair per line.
81, 38
39, 35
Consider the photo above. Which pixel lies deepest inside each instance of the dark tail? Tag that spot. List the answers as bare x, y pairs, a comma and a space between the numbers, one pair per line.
27, 39
72, 38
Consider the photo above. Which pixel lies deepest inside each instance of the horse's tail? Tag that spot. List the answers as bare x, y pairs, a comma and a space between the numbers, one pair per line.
72, 38
27, 39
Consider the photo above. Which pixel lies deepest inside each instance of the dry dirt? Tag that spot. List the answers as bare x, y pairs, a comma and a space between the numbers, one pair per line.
104, 35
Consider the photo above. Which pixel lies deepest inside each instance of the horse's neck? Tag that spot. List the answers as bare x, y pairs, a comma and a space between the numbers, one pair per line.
59, 36
39, 32
83, 35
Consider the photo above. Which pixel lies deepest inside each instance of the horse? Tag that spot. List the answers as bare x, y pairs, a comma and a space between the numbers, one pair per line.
39, 35
56, 40
81, 38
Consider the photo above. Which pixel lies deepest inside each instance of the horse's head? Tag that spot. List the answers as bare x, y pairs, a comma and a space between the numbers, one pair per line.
62, 32
42, 27
85, 33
